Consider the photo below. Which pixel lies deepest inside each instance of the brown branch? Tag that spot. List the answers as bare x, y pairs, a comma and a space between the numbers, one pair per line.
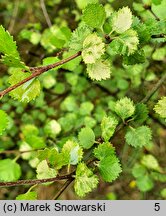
36, 181
157, 120
63, 188
38, 71
154, 89
158, 36
18, 152
148, 7
69, 181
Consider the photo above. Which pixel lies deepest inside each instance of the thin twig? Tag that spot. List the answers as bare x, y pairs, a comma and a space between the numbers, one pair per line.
157, 120
66, 184
38, 71
35, 181
17, 151
45, 13
14, 16
154, 89
69, 181
148, 7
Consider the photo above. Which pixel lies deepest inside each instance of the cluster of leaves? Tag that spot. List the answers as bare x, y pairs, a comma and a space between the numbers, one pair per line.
102, 35
146, 172
121, 28
49, 161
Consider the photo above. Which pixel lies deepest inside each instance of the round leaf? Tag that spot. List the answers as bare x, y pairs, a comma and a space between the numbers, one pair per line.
86, 137
9, 170
94, 15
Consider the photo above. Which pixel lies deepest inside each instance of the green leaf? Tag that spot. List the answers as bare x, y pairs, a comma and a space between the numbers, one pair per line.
82, 4
122, 20
139, 7
44, 171
150, 162
93, 48
67, 121
100, 70
108, 165
86, 108
9, 170
78, 36
138, 137
85, 180
111, 195
141, 113
104, 150
163, 193
145, 184
159, 10
72, 79
159, 54
35, 142
12, 61
138, 57
44, 154
89, 122
72, 152
4, 121
52, 128
63, 159
53, 157
48, 81
161, 177
7, 44
142, 30
29, 129
35, 38
124, 108
130, 41
109, 168
69, 104
9, 49
55, 37
139, 171
160, 107
125, 44
33, 162
73, 64
86, 137
156, 2
49, 154
108, 126
94, 15
26, 147
26, 92
122, 84
27, 196
156, 28
59, 88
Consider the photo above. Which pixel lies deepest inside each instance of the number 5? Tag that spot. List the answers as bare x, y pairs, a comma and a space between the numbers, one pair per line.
157, 206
